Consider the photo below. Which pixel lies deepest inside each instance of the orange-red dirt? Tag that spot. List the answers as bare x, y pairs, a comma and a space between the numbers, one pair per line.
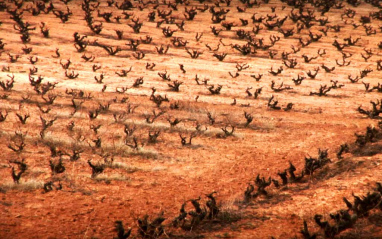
160, 177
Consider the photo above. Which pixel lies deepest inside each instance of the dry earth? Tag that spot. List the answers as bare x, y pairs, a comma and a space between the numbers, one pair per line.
159, 177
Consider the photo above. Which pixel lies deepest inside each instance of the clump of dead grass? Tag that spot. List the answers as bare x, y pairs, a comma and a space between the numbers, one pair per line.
29, 185
124, 166
107, 178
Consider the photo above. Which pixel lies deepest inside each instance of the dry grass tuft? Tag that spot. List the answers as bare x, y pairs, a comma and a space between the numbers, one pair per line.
23, 186
111, 177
